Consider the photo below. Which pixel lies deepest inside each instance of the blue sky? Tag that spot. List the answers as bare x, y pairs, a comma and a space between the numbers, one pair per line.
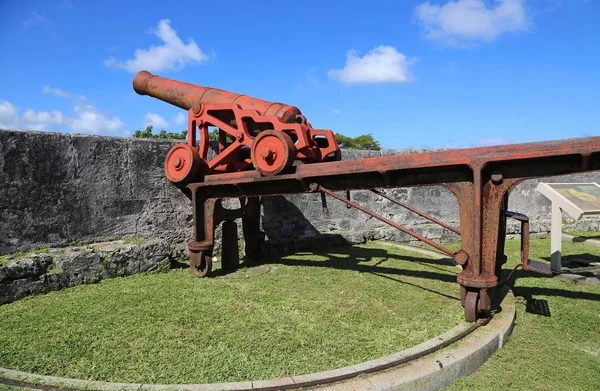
417, 74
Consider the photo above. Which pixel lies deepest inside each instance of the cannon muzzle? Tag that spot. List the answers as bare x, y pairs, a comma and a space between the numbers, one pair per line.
185, 95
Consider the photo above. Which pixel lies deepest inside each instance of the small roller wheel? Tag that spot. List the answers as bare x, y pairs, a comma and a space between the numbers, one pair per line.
272, 152
200, 263
463, 295
471, 306
183, 165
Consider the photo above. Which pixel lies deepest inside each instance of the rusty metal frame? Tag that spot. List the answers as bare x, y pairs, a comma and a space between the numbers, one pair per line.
415, 210
480, 178
316, 187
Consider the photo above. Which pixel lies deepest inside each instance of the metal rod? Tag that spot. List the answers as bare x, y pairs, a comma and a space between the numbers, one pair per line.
387, 221
324, 204
412, 209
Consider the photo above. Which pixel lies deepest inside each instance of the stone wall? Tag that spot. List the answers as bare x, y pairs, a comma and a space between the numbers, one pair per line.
23, 275
58, 188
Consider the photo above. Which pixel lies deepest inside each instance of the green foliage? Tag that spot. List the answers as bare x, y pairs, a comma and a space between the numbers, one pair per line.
365, 142
54, 268
213, 135
6, 258
132, 240
163, 134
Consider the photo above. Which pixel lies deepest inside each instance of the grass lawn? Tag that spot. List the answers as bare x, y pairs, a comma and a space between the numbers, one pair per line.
311, 312
583, 234
555, 344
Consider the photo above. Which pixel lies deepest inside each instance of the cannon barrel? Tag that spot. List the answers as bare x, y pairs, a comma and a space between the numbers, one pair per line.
185, 95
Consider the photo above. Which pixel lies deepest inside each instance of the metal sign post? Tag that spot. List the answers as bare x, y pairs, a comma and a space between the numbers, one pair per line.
576, 199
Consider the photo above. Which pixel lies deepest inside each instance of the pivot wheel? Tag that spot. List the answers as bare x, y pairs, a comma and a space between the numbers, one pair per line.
471, 306
183, 165
474, 305
477, 303
200, 263
272, 152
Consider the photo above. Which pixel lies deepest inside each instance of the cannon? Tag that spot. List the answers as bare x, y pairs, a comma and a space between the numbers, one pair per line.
252, 132
481, 179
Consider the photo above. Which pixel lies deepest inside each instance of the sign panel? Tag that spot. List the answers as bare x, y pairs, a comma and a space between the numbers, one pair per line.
585, 196
575, 199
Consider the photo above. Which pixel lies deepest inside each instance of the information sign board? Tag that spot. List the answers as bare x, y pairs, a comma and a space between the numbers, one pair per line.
575, 199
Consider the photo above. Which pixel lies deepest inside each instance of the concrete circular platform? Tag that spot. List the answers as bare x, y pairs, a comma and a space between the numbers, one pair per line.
431, 365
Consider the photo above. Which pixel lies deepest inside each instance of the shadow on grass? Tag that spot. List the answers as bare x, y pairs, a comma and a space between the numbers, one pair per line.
356, 257
528, 292
572, 257
415, 285
537, 307
540, 306
581, 239
179, 265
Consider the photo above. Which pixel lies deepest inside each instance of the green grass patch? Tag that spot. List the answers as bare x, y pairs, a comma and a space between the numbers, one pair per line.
556, 352
132, 240
311, 312
4, 387
5, 259
583, 234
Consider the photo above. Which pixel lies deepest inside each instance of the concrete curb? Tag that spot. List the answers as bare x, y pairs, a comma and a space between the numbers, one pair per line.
431, 372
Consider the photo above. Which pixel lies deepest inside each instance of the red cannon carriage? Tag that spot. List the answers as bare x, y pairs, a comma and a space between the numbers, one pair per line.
252, 132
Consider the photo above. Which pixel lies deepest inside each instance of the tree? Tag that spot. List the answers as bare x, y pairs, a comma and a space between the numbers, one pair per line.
213, 135
162, 134
365, 141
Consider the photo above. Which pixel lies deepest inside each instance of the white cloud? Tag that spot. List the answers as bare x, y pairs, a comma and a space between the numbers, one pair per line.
62, 93
180, 119
56, 91
383, 64
156, 121
8, 111
34, 18
30, 120
336, 111
465, 23
173, 54
88, 120
91, 120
